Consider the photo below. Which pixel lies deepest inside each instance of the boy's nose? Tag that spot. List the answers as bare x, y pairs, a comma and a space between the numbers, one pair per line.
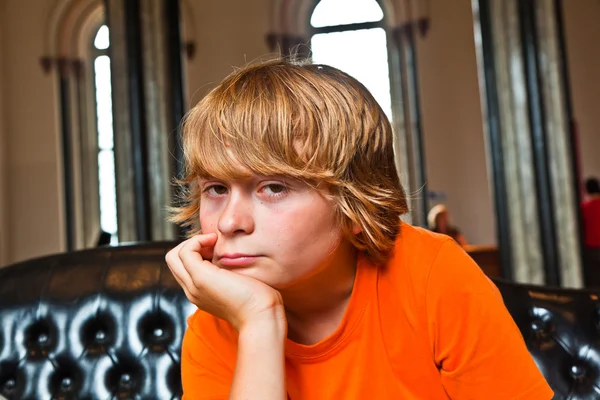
237, 216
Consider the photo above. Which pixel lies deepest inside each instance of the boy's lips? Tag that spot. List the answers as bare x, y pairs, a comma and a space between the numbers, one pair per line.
237, 259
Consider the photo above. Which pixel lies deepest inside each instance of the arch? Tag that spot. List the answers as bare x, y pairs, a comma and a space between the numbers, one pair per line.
329, 13
274, 9
410, 11
72, 22
56, 9
283, 24
188, 22
86, 28
296, 15
287, 22
64, 27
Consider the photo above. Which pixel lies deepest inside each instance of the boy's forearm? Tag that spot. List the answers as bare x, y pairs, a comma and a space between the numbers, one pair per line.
260, 367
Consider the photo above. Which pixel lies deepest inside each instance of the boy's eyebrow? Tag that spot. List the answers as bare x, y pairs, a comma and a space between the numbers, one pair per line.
202, 179
252, 177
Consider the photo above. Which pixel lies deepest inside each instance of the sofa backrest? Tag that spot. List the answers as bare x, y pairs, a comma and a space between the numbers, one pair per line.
561, 328
99, 324
109, 322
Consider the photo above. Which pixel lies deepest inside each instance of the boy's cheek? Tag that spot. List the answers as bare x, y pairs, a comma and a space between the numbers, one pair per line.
207, 228
208, 221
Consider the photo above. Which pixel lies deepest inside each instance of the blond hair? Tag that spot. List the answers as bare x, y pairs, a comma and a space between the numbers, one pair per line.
310, 122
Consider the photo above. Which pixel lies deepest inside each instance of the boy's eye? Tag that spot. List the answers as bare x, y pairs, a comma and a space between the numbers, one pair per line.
275, 188
216, 189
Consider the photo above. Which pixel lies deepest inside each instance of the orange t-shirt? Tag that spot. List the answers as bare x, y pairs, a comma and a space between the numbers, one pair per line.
429, 325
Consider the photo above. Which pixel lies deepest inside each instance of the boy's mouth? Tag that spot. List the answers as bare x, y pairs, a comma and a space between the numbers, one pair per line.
237, 259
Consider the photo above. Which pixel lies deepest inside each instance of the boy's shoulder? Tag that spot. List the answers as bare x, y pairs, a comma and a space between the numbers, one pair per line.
416, 247
416, 234
430, 262
420, 255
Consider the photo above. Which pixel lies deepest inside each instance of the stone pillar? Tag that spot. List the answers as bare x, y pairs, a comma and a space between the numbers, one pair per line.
79, 151
88, 198
145, 84
561, 143
408, 126
529, 140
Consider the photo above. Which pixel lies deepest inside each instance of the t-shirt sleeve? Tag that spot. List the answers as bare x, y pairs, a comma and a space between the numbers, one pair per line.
476, 345
205, 370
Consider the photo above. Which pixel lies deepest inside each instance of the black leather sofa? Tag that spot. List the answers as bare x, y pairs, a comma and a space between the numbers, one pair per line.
107, 323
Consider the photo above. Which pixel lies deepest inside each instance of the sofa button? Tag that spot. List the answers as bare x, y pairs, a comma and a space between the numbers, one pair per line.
537, 326
100, 336
66, 383
42, 339
578, 372
10, 385
125, 382
541, 328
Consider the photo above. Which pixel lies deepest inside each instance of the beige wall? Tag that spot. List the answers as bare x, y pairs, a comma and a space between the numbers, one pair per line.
3, 187
583, 54
231, 33
452, 122
227, 35
32, 169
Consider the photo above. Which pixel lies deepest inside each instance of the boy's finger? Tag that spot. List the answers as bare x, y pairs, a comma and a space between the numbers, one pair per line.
203, 240
178, 270
191, 253
200, 244
207, 252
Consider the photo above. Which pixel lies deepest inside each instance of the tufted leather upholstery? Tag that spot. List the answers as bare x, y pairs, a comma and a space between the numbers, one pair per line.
107, 323
97, 324
562, 330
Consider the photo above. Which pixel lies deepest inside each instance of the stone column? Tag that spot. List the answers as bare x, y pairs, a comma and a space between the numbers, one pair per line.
145, 80
408, 127
528, 140
561, 150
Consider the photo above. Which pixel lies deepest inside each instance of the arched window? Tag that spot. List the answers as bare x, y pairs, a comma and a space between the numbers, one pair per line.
350, 35
77, 50
104, 125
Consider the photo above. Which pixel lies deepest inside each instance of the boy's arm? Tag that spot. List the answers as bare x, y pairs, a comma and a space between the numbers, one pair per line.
208, 356
260, 367
254, 309
474, 340
218, 363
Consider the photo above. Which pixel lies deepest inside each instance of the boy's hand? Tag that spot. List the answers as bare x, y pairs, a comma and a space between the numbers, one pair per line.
240, 300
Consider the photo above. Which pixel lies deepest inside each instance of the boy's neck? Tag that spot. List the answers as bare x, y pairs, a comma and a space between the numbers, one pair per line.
316, 307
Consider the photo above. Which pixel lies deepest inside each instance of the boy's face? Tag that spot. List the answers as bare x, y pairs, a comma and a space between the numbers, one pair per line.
274, 229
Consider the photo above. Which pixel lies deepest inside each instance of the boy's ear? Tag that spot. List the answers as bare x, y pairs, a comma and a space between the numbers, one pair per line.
356, 229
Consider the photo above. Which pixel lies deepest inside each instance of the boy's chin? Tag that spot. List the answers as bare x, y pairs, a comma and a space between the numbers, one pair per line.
261, 275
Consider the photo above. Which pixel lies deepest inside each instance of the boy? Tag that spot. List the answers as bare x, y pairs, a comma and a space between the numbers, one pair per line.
307, 284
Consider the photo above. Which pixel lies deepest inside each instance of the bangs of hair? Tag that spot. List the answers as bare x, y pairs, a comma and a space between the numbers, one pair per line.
271, 121
310, 122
